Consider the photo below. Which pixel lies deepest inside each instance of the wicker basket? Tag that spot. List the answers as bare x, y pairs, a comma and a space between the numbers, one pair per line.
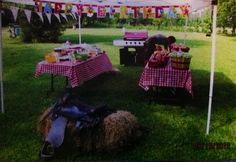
180, 63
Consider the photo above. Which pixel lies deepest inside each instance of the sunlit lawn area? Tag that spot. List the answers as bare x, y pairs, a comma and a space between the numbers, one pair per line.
173, 129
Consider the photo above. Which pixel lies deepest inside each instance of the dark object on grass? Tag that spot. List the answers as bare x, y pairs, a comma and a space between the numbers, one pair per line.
116, 129
208, 34
150, 43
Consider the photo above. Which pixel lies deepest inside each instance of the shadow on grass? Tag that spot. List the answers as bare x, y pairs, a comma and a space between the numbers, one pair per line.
223, 94
122, 89
91, 39
172, 130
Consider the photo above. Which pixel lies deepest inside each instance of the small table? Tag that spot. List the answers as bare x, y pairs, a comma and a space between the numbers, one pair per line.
166, 77
76, 72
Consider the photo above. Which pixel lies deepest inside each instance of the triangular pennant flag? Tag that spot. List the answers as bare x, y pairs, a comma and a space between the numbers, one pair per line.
40, 15
79, 9
123, 12
14, 11
75, 15
49, 16
159, 12
185, 10
171, 13
90, 11
64, 15
149, 12
74, 11
111, 12
57, 16
48, 8
101, 12
71, 14
144, 12
27, 14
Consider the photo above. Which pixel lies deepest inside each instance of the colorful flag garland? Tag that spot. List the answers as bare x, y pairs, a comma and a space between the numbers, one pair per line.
51, 8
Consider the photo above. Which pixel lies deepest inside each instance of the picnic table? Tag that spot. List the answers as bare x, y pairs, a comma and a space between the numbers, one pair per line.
76, 72
166, 77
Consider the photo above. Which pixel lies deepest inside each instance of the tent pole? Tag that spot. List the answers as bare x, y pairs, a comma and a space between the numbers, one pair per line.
1, 66
185, 29
212, 67
79, 22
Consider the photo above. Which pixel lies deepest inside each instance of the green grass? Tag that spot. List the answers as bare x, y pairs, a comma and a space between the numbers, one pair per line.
173, 128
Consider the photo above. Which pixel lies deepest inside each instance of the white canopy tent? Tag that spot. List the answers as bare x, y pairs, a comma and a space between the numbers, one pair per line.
194, 6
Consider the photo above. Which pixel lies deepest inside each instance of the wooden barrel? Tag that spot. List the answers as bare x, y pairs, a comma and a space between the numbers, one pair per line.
180, 63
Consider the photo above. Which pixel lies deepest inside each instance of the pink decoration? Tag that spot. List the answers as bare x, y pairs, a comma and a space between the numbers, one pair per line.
101, 12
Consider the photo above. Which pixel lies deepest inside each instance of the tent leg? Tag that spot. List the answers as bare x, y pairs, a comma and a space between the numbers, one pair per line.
212, 68
1, 66
79, 22
185, 29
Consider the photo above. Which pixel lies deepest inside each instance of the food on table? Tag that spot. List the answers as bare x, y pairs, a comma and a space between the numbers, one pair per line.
51, 57
159, 58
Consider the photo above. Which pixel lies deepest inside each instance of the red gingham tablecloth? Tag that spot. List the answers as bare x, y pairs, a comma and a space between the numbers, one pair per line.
166, 77
77, 72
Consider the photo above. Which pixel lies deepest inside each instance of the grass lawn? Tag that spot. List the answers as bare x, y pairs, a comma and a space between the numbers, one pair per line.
174, 129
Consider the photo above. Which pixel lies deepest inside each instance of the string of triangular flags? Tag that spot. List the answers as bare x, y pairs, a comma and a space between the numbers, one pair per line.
64, 9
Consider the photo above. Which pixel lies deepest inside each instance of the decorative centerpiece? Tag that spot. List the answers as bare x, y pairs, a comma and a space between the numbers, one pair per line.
159, 58
180, 60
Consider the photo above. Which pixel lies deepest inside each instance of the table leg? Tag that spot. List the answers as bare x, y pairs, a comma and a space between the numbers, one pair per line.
67, 81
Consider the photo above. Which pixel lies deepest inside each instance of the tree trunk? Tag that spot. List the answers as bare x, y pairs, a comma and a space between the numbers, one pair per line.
233, 29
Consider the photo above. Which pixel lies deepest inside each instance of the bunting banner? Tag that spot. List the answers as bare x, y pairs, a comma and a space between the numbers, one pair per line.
58, 17
64, 16
48, 8
28, 14
101, 12
185, 10
145, 13
90, 11
57, 8
49, 16
73, 14
38, 6
136, 12
79, 9
159, 12
123, 12
14, 11
68, 8
40, 14
111, 11
76, 10
171, 13
149, 12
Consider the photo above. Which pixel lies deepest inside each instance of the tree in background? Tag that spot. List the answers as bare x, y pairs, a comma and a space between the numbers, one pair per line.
36, 30
39, 31
227, 15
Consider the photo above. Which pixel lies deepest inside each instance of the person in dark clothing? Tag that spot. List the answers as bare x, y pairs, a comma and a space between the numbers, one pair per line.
150, 44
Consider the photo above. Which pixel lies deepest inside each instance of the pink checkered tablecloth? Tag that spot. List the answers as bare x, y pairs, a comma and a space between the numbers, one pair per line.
78, 72
166, 77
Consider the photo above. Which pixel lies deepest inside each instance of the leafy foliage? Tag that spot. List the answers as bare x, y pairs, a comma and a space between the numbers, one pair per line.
227, 15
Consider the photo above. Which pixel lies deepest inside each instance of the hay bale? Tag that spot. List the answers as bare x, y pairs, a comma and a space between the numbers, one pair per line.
117, 130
